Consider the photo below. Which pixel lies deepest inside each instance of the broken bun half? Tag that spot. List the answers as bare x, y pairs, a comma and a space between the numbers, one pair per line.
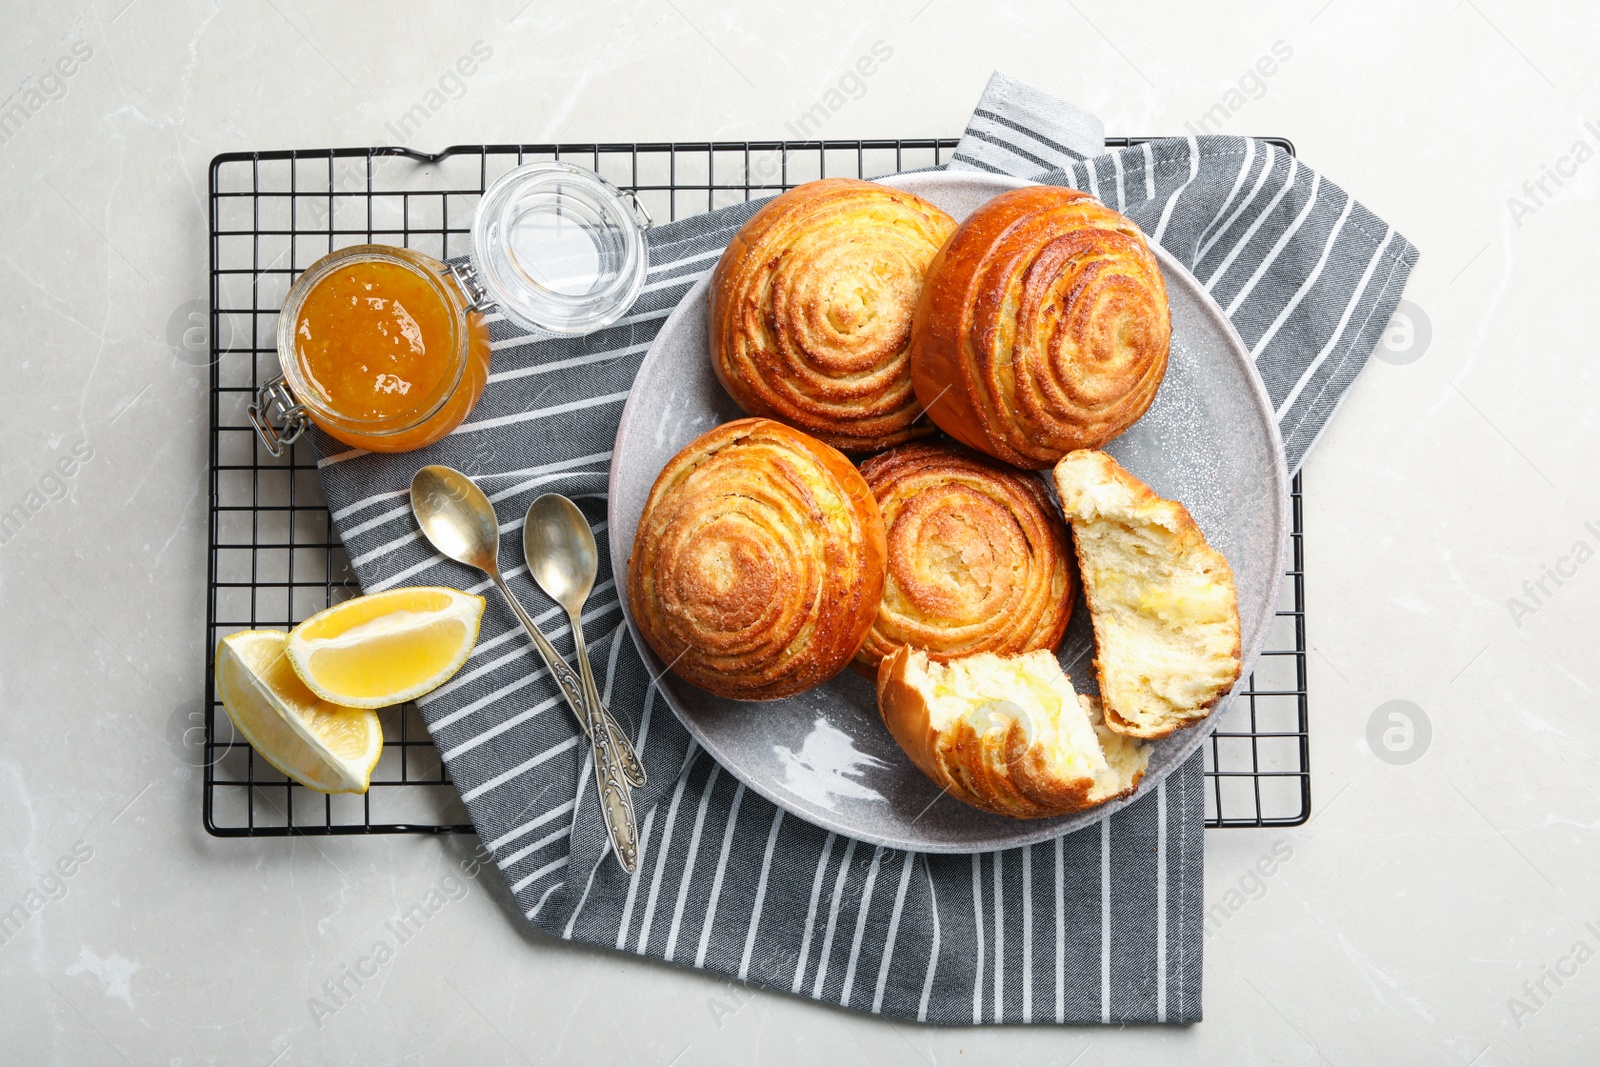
1162, 601
1006, 734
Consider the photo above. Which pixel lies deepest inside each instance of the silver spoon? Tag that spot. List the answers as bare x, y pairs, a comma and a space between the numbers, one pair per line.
460, 522
560, 550
559, 547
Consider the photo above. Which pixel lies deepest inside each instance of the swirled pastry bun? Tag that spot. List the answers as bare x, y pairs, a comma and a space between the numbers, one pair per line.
1006, 733
810, 310
758, 562
1043, 327
977, 556
1163, 603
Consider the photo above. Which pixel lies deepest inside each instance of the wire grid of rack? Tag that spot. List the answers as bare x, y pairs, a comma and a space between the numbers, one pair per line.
275, 557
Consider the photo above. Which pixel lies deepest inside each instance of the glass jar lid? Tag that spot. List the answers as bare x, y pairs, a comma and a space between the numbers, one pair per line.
558, 248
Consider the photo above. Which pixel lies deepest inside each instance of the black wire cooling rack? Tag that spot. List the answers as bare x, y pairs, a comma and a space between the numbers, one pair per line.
275, 558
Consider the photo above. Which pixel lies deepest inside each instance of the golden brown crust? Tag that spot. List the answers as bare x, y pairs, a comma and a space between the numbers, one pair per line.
1000, 770
977, 556
758, 562
809, 310
1128, 500
1043, 327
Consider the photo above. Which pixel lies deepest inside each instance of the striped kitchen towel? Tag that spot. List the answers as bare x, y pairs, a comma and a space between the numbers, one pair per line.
1101, 926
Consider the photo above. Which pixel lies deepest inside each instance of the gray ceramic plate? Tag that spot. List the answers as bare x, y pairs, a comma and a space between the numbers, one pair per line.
1209, 440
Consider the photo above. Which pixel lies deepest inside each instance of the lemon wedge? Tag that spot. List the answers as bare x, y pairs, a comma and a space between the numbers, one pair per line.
318, 744
387, 647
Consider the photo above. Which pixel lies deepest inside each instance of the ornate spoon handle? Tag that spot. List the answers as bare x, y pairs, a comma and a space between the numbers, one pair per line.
572, 688
616, 799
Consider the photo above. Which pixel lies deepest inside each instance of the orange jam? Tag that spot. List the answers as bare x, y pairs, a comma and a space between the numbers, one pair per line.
386, 353
374, 339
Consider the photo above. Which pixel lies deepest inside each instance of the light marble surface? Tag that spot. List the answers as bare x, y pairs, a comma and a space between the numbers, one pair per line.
1417, 902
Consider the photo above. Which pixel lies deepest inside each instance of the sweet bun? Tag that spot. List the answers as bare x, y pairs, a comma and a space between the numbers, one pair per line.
977, 556
1006, 734
1043, 327
809, 310
1162, 601
758, 562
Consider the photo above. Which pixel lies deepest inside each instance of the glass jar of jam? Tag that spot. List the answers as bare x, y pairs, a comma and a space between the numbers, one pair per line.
380, 347
387, 349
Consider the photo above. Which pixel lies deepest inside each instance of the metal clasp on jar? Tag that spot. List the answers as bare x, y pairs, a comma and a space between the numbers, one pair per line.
478, 298
640, 212
278, 417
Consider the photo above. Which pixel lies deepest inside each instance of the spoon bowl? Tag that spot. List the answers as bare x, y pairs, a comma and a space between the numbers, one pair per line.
456, 517
560, 550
